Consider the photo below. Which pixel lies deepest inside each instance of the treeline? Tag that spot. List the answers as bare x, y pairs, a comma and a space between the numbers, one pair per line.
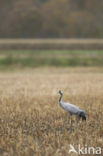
51, 18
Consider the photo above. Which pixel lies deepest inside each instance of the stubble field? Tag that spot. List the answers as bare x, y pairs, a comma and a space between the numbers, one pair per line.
31, 120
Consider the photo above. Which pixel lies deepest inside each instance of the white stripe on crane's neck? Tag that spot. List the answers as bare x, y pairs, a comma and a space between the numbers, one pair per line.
60, 99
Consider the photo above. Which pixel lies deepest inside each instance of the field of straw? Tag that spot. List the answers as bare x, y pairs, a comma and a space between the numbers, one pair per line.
51, 44
31, 121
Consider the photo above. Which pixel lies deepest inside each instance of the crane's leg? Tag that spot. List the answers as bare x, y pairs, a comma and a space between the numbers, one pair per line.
70, 121
78, 119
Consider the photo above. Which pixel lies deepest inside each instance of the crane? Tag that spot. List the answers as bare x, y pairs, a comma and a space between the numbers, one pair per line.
72, 109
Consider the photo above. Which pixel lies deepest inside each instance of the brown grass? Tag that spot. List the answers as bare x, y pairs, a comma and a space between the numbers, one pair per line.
51, 44
31, 120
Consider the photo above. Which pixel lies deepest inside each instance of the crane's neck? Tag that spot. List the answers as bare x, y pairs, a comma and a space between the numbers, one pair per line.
60, 99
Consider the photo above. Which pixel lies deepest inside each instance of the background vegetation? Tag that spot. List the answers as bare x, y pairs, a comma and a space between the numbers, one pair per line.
16, 59
51, 18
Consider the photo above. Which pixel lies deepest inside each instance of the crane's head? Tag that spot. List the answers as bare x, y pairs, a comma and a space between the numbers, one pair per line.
60, 92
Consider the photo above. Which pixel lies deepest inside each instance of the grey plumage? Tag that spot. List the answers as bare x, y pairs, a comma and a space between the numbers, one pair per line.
72, 109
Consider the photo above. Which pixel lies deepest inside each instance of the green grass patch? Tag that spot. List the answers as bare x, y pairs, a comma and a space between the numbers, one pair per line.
30, 58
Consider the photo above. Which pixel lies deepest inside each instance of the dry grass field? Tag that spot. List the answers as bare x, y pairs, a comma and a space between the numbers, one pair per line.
51, 44
31, 120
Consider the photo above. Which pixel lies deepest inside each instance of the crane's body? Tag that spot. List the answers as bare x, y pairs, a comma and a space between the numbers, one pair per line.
72, 109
